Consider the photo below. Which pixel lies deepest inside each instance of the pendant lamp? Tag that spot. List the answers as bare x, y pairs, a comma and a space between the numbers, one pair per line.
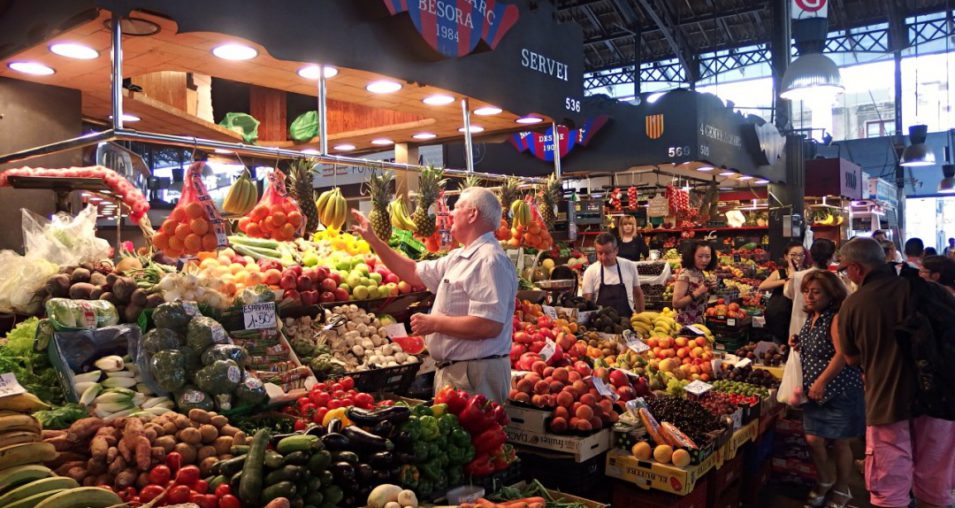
917, 154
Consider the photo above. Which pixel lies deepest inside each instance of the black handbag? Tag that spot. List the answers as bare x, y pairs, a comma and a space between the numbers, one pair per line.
779, 311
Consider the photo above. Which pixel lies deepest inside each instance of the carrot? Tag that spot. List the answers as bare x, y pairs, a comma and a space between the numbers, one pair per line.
523, 502
484, 503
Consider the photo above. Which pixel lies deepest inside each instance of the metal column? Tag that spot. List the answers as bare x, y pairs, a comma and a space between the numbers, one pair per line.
468, 145
116, 81
553, 127
781, 51
322, 111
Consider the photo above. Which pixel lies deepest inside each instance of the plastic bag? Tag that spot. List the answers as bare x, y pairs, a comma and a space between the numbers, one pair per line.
64, 240
66, 314
74, 352
194, 225
242, 123
304, 128
276, 216
20, 279
790, 388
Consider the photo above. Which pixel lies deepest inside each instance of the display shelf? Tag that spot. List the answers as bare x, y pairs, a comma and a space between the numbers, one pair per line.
704, 230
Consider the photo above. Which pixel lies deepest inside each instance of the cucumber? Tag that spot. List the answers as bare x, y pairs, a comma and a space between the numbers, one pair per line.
229, 467
273, 460
257, 253
250, 486
296, 443
296, 458
287, 473
261, 243
280, 489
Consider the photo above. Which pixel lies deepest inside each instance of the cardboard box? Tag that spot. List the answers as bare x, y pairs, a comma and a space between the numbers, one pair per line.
729, 498
753, 484
742, 436
628, 495
653, 475
527, 418
721, 479
582, 448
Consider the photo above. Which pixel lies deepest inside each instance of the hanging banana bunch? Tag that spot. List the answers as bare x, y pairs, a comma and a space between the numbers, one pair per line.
399, 216
332, 209
242, 195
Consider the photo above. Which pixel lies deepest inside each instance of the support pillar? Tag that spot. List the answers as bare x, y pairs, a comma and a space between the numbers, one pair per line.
790, 197
406, 182
637, 58
780, 53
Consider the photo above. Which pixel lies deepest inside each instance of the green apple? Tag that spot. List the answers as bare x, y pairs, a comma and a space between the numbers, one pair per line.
363, 268
375, 276
354, 281
343, 265
345, 286
360, 293
310, 259
365, 281
383, 292
372, 284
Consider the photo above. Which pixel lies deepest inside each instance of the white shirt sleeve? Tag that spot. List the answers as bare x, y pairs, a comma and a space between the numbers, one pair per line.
491, 288
789, 290
636, 275
591, 279
430, 272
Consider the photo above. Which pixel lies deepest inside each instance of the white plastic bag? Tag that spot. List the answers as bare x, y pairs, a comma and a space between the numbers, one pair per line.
790, 389
64, 240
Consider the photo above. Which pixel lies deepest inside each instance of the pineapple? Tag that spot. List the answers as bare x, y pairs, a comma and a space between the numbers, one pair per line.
379, 187
470, 181
302, 189
550, 194
509, 193
430, 184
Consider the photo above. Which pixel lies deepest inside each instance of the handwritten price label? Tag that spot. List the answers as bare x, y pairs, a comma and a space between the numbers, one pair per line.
745, 362
549, 311
698, 387
694, 329
396, 330
259, 316
603, 389
9, 385
636, 345
548, 350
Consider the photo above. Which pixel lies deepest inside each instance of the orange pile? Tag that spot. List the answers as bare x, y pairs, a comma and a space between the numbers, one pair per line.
278, 221
534, 235
185, 231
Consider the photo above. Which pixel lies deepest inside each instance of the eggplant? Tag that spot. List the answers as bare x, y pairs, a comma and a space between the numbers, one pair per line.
365, 474
350, 499
384, 429
365, 418
346, 456
383, 476
403, 439
381, 460
297, 458
406, 458
316, 430
334, 426
365, 441
343, 472
334, 441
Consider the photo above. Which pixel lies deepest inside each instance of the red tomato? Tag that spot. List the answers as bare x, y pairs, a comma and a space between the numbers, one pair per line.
229, 501
334, 404
188, 475
174, 461
302, 401
160, 475
308, 409
347, 401
150, 492
337, 394
320, 399
178, 494
319, 415
201, 487
337, 387
364, 400
203, 500
320, 387
223, 489
300, 424
347, 383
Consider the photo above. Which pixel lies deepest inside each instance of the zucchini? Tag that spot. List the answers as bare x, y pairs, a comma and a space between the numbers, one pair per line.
255, 253
250, 486
296, 443
280, 489
319, 461
229, 467
296, 458
287, 473
261, 243
273, 460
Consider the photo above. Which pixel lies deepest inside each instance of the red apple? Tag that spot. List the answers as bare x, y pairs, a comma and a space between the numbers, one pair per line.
309, 297
371, 260
516, 351
288, 282
326, 296
312, 274
297, 269
335, 277
404, 287
618, 378
291, 294
391, 278
304, 283
341, 295
328, 284
321, 272
626, 393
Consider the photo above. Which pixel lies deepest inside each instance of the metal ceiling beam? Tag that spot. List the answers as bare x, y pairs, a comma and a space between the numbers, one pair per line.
599, 26
704, 18
673, 37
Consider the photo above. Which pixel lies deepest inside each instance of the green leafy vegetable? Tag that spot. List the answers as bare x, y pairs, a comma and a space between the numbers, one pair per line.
61, 417
33, 370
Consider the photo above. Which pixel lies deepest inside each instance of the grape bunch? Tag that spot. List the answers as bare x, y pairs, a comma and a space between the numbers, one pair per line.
689, 416
740, 388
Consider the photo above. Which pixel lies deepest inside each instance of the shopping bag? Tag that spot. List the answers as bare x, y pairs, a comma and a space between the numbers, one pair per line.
194, 224
276, 215
790, 389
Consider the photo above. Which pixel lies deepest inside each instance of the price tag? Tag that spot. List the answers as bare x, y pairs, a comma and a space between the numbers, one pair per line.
602, 388
633, 406
548, 350
745, 362
584, 317
549, 311
627, 372
259, 316
696, 330
759, 321
698, 387
636, 345
9, 385
731, 322
396, 330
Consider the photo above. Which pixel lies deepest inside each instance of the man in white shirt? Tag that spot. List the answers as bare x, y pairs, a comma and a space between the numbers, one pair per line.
468, 331
613, 281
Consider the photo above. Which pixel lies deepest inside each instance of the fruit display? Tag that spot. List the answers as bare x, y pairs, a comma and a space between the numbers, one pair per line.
302, 188
362, 343
242, 195
276, 215
772, 355
550, 193
194, 224
482, 420
723, 310
687, 415
100, 282
651, 324
580, 303
740, 388
576, 404
607, 320
723, 404
749, 375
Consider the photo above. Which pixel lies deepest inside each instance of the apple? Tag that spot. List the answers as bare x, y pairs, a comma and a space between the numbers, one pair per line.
391, 278
360, 293
516, 351
362, 268
626, 393
309, 297
346, 287
291, 294
404, 287
618, 378
288, 282
321, 272
297, 269
328, 284
326, 296
354, 280
392, 289
341, 294
336, 277
375, 277
304, 283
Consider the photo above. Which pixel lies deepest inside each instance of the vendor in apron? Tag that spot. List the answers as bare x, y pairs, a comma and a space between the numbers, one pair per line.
613, 281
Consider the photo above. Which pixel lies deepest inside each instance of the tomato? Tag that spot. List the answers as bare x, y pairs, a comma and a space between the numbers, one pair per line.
364, 400
223, 489
334, 404
337, 394
302, 401
337, 387
347, 401
203, 500
319, 415
188, 475
320, 387
178, 494
308, 409
150, 492
174, 461
160, 475
229, 501
347, 383
201, 486
320, 399
300, 424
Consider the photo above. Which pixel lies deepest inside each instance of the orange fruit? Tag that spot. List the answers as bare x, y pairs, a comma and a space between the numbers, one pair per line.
192, 242
177, 215
209, 241
160, 240
199, 226
244, 223
173, 253
194, 210
175, 244
259, 212
254, 230
182, 230
295, 219
278, 218
288, 231
289, 206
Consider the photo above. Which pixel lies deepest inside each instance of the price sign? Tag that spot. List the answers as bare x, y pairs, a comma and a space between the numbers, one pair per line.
603, 389
696, 330
635, 344
584, 317
548, 350
731, 322
396, 330
549, 311
259, 316
745, 362
633, 406
759, 321
658, 206
698, 387
627, 372
9, 385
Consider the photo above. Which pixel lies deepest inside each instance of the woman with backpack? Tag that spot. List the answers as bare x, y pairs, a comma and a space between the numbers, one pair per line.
779, 308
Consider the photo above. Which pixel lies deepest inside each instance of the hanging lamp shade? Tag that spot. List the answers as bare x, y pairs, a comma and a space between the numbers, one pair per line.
917, 154
811, 77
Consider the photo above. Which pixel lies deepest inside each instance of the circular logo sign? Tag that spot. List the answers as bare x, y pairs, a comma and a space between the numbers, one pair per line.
810, 5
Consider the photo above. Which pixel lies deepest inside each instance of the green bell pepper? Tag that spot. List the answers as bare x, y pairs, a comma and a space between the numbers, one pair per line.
429, 428
422, 410
456, 454
469, 453
422, 451
409, 476
455, 476
425, 487
431, 469
441, 483
460, 437
446, 423
413, 427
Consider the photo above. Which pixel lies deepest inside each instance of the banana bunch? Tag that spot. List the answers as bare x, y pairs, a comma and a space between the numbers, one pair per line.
24, 403
242, 196
399, 216
520, 213
707, 333
332, 209
18, 428
58, 492
653, 324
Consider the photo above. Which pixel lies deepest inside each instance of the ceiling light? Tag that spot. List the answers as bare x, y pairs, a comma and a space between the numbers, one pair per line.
347, 147
527, 120
383, 86
728, 173
72, 50
812, 77
128, 117
438, 100
235, 52
220, 150
311, 72
487, 111
474, 129
917, 154
382, 142
655, 97
745, 177
34, 68
425, 135
761, 182
312, 151
704, 169
726, 188
947, 185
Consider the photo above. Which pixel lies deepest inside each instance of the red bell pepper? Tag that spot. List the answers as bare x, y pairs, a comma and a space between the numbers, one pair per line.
500, 415
482, 465
490, 440
455, 399
500, 463
477, 415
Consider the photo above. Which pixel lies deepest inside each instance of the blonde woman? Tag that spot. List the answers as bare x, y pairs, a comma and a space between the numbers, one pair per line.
630, 242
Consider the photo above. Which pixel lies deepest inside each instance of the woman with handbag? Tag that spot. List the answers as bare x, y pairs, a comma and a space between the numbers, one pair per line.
779, 308
835, 412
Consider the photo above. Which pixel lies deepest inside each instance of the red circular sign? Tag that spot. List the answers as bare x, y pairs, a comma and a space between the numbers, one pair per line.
810, 5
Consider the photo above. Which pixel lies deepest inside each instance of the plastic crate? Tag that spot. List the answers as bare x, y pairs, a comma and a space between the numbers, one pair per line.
395, 380
561, 471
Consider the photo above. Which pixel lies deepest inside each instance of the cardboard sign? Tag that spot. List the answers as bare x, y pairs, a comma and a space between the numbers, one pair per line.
698, 387
745, 362
9, 385
603, 389
259, 316
549, 311
658, 206
396, 330
548, 350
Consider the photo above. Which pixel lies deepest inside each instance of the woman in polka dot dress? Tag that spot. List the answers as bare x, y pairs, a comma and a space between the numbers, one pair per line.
836, 409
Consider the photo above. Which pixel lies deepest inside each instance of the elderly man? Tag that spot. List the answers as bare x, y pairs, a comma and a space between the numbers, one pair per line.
469, 328
905, 452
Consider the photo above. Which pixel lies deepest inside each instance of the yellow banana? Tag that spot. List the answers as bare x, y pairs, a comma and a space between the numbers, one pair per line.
26, 453
24, 402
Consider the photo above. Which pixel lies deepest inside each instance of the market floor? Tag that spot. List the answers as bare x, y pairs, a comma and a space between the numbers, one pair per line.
782, 496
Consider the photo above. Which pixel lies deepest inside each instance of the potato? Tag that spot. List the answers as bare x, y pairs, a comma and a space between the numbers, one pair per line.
239, 438
205, 452
182, 421
81, 291
205, 466
228, 430
151, 434
168, 443
209, 433
223, 444
142, 480
200, 416
219, 421
187, 451
169, 428
190, 435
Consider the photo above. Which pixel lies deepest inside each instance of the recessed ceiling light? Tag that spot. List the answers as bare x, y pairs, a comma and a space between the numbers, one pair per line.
383, 86
345, 147
438, 100
487, 111
704, 169
425, 135
527, 120
745, 177
222, 150
728, 173
311, 72
73, 50
761, 182
312, 151
34, 68
234, 51
128, 117
382, 142
474, 129
726, 188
